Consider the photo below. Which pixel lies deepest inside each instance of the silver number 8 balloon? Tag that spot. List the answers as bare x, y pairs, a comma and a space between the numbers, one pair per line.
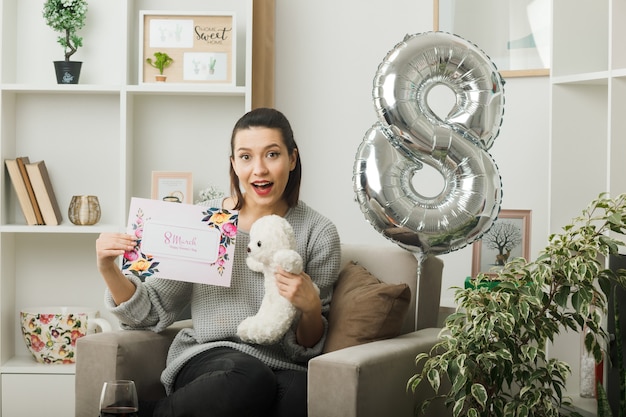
409, 134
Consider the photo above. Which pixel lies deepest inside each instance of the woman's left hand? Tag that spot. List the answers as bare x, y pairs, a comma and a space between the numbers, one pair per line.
302, 293
299, 290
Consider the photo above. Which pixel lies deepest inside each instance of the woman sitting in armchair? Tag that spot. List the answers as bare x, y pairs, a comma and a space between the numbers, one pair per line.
210, 371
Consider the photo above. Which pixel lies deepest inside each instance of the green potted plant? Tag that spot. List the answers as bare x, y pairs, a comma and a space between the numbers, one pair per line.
161, 61
67, 17
492, 358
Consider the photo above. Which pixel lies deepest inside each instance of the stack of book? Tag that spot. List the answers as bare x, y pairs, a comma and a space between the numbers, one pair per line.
34, 191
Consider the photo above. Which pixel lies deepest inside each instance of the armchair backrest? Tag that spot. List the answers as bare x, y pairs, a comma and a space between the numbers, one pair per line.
394, 265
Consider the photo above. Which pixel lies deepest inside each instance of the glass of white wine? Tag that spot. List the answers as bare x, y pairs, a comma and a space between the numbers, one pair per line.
119, 399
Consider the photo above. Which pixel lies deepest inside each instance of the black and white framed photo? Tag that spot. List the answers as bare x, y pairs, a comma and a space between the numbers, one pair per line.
508, 238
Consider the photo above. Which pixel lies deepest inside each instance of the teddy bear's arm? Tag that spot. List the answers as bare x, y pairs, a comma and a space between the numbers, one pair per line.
289, 260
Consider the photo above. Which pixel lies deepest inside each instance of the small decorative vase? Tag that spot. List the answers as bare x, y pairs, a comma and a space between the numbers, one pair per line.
84, 210
68, 72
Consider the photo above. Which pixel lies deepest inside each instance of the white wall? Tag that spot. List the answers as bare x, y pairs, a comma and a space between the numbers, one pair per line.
327, 53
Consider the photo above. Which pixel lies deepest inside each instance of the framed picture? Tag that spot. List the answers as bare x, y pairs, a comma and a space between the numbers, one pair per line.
172, 186
508, 238
515, 34
202, 46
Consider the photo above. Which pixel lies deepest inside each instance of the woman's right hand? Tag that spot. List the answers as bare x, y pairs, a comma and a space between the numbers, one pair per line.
111, 245
108, 247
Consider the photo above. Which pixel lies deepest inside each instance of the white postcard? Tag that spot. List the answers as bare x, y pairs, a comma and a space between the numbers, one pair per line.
183, 242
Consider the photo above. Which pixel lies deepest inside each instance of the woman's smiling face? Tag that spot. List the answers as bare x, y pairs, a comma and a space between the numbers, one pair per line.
262, 162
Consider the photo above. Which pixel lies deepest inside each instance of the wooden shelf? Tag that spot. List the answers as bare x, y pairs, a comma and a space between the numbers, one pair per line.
587, 144
103, 137
28, 365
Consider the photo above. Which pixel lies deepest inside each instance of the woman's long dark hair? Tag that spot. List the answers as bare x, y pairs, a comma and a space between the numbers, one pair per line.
272, 119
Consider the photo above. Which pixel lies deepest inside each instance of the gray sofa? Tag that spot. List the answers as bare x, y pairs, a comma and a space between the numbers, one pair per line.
364, 380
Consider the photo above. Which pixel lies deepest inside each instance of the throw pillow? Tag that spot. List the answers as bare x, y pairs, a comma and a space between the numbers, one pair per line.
364, 309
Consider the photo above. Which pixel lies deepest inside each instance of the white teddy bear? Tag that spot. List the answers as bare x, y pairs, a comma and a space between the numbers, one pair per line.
272, 244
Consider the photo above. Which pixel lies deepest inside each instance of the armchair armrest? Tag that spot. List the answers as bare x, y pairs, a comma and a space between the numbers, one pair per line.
138, 355
370, 380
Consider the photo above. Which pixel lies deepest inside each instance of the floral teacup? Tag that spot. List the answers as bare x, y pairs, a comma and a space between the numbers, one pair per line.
50, 333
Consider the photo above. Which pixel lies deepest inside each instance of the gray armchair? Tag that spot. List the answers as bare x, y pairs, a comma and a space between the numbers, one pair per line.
359, 381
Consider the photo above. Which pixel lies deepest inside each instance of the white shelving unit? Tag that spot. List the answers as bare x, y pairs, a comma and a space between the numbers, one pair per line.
588, 85
103, 137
